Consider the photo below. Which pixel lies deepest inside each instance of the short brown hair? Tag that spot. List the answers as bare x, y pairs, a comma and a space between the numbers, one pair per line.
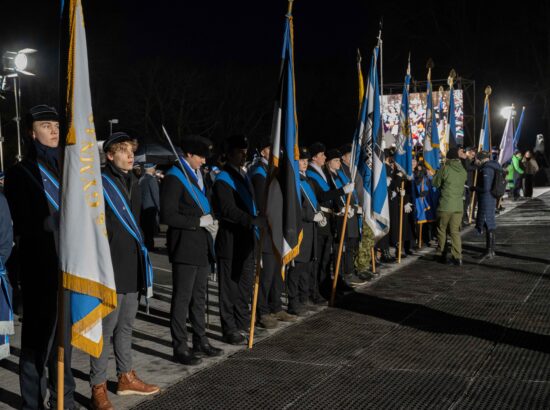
121, 146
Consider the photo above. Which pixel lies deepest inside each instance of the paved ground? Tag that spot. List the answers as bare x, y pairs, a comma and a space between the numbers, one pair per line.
423, 335
427, 336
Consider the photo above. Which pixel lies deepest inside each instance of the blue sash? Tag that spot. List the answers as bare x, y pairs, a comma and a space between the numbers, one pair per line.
319, 179
49, 184
6, 312
259, 170
198, 196
123, 212
243, 192
310, 194
192, 172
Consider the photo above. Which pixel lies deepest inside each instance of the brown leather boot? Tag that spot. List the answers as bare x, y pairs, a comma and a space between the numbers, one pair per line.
100, 397
129, 383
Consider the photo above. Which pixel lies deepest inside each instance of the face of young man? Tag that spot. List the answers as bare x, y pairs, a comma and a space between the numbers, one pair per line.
303, 165
265, 152
237, 157
334, 164
319, 159
46, 133
346, 158
123, 157
195, 161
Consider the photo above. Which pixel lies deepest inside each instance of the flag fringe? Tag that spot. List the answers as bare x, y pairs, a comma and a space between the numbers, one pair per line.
289, 256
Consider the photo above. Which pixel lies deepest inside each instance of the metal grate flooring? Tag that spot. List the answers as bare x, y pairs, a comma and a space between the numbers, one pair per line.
428, 336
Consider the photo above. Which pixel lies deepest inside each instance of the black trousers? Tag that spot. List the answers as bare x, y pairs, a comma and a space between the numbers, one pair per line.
271, 286
39, 352
320, 283
298, 284
149, 225
235, 280
190, 284
528, 185
349, 253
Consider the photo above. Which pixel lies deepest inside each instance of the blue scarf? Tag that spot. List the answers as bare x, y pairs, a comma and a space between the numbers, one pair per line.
123, 212
196, 193
259, 170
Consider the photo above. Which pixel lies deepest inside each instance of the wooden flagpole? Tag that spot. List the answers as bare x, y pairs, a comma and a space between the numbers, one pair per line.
340, 247
420, 235
373, 259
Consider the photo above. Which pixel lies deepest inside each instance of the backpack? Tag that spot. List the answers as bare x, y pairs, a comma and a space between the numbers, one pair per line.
499, 183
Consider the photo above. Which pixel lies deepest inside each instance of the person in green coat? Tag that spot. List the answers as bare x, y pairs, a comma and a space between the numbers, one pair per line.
515, 173
450, 180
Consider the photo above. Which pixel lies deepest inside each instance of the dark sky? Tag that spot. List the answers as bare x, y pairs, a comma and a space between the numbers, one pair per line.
507, 48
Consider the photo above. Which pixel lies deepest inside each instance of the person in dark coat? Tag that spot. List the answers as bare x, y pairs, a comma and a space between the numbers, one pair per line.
239, 223
129, 271
467, 157
270, 306
35, 224
186, 211
6, 230
150, 205
320, 283
351, 236
300, 272
487, 203
398, 179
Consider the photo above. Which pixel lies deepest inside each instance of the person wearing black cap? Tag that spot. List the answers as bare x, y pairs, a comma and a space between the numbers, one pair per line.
235, 208
270, 307
130, 263
150, 205
300, 271
186, 209
32, 191
320, 283
487, 202
337, 179
450, 179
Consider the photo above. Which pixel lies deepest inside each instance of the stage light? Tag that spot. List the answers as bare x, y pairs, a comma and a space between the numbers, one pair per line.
17, 61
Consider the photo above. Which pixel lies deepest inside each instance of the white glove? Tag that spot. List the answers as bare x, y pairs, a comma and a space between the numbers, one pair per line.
206, 220
360, 210
351, 212
402, 192
393, 194
408, 208
348, 188
388, 181
318, 217
212, 229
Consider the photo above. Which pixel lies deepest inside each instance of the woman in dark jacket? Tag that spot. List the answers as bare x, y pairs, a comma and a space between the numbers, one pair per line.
487, 203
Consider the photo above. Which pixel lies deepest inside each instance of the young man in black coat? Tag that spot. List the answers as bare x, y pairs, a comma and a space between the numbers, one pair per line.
186, 210
35, 224
235, 208
320, 283
270, 306
129, 269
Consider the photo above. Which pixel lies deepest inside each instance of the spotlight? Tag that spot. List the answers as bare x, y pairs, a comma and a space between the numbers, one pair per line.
17, 61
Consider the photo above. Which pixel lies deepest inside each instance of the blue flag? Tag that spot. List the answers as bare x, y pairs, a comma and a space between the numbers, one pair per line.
283, 204
517, 134
431, 141
370, 160
485, 134
403, 143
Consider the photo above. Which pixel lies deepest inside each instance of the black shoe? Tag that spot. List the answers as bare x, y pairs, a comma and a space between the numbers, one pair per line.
234, 338
206, 349
353, 280
386, 257
258, 331
409, 252
455, 262
365, 276
187, 357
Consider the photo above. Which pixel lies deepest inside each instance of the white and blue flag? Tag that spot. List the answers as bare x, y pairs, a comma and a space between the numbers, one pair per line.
403, 141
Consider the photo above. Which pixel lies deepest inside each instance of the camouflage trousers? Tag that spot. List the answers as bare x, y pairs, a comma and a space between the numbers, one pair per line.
363, 259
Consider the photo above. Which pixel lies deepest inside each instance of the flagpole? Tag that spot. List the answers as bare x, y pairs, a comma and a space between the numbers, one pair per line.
340, 247
373, 259
479, 148
420, 235
262, 230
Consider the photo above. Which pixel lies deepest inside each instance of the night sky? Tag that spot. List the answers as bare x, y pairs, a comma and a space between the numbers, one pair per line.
210, 67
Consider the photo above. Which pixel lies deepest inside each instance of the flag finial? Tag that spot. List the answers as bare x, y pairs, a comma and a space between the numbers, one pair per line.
488, 90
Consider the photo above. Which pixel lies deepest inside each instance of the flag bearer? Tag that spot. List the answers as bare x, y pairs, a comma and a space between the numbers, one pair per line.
32, 191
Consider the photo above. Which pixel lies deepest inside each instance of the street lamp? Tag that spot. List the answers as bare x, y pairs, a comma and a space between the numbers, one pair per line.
111, 122
14, 64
